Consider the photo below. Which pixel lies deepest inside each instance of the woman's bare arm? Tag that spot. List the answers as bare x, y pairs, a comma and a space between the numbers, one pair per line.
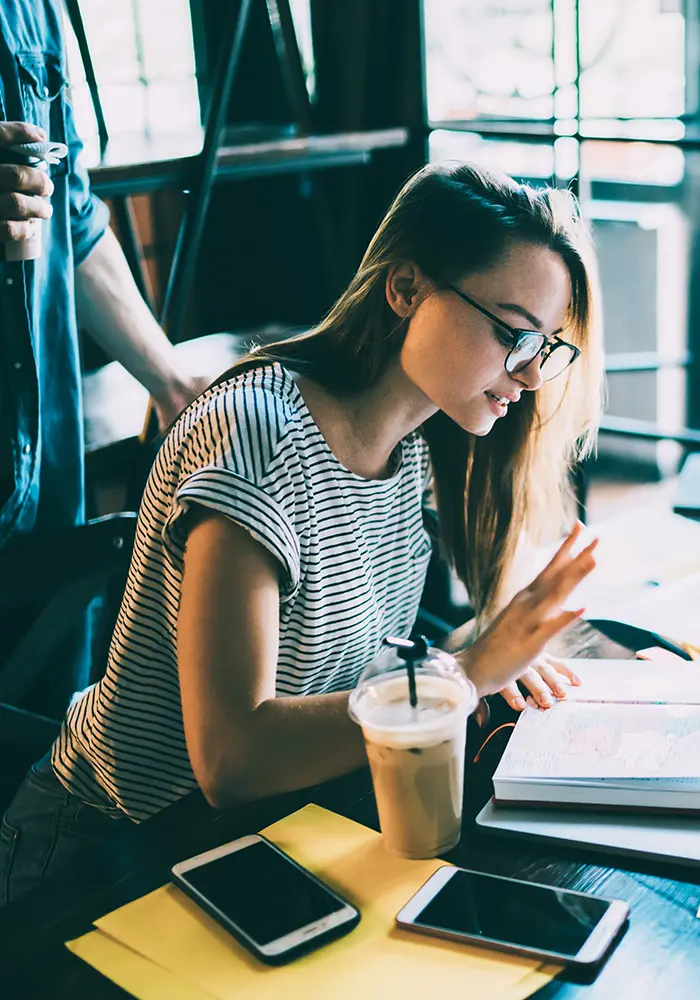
242, 741
245, 743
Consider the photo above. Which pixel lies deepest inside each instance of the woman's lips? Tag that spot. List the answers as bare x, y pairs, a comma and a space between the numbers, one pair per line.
498, 404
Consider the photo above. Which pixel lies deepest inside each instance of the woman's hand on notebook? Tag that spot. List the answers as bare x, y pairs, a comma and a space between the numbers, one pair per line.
545, 679
512, 647
546, 676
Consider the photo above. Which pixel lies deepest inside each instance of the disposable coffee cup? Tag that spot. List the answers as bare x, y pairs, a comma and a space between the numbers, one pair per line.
37, 155
28, 248
416, 753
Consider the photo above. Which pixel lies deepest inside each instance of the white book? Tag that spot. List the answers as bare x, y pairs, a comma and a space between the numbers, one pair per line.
635, 681
629, 736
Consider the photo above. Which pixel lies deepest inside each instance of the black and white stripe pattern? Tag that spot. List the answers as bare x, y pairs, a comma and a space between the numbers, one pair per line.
353, 554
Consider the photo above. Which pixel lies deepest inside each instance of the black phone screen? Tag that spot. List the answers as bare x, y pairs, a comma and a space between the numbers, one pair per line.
518, 913
262, 893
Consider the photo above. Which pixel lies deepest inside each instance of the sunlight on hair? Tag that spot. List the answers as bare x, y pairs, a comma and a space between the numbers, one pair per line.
451, 219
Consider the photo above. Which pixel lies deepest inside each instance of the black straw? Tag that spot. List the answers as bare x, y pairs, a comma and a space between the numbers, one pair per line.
410, 650
411, 668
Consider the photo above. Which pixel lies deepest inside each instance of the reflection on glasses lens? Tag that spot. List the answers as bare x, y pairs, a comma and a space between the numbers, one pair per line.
525, 351
529, 346
557, 362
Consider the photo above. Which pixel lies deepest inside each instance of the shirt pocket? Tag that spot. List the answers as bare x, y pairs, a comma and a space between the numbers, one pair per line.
43, 85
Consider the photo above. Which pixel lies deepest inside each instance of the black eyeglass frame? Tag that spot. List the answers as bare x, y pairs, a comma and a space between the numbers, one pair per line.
545, 351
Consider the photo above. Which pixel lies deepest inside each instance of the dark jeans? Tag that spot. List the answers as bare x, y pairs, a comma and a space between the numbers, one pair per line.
44, 829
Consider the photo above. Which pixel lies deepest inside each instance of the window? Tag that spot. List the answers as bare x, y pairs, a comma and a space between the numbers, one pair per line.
489, 59
548, 60
532, 162
600, 95
632, 59
143, 56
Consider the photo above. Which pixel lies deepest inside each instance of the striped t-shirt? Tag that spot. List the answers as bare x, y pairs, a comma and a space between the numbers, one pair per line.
352, 552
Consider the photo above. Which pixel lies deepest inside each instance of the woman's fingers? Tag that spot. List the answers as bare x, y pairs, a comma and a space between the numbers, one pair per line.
538, 688
562, 668
513, 697
562, 552
566, 546
577, 566
521, 632
554, 680
546, 677
555, 590
553, 626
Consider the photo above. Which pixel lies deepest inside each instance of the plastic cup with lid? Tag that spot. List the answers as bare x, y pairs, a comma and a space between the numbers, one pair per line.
415, 751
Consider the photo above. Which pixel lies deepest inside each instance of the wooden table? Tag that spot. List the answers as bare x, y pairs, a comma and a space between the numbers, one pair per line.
658, 958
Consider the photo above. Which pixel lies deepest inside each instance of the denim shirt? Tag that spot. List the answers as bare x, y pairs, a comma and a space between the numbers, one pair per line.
40, 392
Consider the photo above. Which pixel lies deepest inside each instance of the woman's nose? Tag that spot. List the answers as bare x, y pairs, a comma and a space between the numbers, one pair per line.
530, 377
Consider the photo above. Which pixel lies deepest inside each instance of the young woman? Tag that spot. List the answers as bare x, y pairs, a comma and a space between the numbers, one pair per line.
280, 536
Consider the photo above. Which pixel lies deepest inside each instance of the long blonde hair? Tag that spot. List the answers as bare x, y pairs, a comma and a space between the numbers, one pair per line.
451, 219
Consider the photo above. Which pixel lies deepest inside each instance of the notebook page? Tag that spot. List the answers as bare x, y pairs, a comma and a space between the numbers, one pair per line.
579, 740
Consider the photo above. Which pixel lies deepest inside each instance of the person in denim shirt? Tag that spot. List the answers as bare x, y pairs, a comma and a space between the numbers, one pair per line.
81, 274
41, 472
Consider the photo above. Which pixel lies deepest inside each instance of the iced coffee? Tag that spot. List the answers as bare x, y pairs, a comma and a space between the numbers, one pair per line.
416, 753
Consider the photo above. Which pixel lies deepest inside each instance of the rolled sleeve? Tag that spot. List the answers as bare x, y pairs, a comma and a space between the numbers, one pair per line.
249, 506
89, 216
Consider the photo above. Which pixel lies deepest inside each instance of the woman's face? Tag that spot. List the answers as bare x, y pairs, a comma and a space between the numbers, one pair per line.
456, 356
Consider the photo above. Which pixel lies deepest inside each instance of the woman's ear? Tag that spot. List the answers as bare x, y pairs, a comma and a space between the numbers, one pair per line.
404, 284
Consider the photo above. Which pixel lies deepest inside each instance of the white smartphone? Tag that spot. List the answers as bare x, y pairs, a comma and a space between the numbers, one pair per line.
272, 905
514, 915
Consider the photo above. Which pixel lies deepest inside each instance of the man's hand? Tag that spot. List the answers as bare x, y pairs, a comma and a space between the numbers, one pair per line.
24, 191
170, 403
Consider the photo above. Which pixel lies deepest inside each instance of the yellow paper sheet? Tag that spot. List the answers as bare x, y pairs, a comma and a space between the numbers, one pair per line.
131, 971
147, 981
374, 960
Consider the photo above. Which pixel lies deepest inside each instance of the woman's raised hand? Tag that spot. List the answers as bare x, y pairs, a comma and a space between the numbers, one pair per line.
514, 642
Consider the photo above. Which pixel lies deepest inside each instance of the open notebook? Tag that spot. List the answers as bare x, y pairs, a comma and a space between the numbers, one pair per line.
628, 737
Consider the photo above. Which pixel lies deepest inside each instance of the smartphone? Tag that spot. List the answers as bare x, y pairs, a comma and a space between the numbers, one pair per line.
513, 915
273, 906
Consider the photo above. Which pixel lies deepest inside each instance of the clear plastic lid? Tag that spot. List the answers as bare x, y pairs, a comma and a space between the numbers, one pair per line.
381, 703
35, 153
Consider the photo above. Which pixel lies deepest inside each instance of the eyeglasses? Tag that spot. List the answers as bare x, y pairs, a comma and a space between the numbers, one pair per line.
556, 355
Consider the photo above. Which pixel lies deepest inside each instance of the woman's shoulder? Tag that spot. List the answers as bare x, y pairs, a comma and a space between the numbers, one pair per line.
269, 389
259, 401
248, 419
